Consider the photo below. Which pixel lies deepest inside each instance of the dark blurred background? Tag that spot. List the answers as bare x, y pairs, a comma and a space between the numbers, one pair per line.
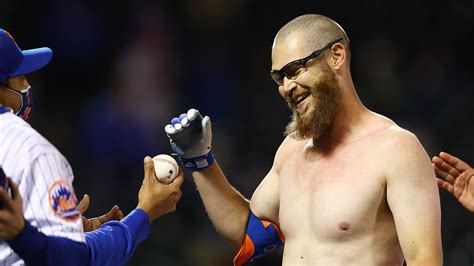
122, 69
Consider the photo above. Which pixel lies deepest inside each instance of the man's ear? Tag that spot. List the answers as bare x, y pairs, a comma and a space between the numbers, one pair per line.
338, 56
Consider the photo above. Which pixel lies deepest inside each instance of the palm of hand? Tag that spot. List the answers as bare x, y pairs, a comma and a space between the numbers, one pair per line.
455, 178
464, 189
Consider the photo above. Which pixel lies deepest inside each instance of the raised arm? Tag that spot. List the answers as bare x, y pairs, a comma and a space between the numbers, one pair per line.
227, 208
413, 198
457, 177
190, 137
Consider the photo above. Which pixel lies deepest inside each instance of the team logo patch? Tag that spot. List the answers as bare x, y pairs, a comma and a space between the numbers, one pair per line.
63, 201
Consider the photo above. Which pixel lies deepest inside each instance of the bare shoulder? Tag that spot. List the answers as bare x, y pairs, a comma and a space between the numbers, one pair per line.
400, 141
404, 155
395, 144
389, 135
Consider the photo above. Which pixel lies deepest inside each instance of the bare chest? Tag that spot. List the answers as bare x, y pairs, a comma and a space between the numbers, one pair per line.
331, 198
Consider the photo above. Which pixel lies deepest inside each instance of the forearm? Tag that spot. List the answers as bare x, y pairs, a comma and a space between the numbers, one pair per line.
112, 244
115, 241
36, 248
227, 208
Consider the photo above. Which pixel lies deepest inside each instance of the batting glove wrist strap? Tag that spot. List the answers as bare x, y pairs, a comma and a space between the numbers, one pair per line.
198, 163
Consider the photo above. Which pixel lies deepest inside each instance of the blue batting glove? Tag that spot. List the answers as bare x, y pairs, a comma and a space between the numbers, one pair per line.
190, 137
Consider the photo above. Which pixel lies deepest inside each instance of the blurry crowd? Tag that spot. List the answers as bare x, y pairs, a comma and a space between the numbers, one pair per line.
122, 69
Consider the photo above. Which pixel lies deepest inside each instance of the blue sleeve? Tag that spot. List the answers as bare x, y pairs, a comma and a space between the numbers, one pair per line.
115, 241
112, 244
36, 248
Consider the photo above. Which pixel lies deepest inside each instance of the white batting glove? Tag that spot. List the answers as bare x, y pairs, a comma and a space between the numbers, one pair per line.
190, 137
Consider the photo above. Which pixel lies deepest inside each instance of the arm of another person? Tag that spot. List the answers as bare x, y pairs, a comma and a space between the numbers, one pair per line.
91, 224
413, 198
115, 241
457, 177
112, 244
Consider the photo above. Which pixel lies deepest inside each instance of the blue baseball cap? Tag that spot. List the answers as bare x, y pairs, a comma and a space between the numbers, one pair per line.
15, 62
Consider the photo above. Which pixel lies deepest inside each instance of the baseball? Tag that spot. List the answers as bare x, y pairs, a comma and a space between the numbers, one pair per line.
166, 168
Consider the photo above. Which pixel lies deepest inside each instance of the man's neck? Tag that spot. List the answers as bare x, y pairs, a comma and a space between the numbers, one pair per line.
351, 116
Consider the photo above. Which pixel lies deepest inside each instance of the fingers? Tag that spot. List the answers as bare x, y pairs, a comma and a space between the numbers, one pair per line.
192, 114
178, 181
455, 162
206, 124
7, 202
119, 215
445, 185
170, 130
443, 174
183, 119
14, 189
149, 170
83, 204
460, 184
87, 224
178, 123
114, 214
441, 164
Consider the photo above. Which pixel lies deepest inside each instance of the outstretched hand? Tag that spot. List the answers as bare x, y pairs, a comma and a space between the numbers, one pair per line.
456, 177
155, 198
11, 212
94, 223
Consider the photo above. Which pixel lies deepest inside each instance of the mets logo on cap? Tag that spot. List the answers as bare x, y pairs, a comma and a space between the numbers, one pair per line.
63, 201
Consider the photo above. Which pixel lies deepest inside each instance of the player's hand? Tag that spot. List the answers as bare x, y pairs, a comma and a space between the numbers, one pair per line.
190, 136
91, 224
12, 221
457, 177
155, 198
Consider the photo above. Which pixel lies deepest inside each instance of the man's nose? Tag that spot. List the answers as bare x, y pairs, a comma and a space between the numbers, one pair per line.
289, 85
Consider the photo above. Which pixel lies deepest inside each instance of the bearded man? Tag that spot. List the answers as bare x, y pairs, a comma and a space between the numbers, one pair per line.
347, 186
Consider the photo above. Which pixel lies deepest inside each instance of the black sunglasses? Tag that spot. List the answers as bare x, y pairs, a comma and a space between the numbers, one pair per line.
294, 68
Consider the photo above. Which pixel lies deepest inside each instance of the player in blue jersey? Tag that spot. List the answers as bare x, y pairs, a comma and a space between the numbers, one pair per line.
40, 222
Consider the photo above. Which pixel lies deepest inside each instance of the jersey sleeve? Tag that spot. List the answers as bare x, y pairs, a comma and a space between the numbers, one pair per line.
111, 245
36, 248
49, 201
115, 241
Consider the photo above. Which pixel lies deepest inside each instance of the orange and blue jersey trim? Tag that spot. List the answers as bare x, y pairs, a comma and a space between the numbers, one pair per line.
262, 237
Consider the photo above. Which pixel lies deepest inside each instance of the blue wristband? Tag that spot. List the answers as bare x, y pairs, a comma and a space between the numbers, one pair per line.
198, 163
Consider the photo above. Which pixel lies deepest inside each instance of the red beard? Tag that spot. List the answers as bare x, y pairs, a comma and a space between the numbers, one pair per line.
326, 98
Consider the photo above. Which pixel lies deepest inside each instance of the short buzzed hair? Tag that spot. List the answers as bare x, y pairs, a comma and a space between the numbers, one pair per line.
318, 30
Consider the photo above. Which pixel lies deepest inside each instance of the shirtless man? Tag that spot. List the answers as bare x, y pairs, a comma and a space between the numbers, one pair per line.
347, 186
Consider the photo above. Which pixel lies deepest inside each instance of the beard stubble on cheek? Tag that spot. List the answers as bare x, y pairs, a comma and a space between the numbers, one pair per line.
326, 97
